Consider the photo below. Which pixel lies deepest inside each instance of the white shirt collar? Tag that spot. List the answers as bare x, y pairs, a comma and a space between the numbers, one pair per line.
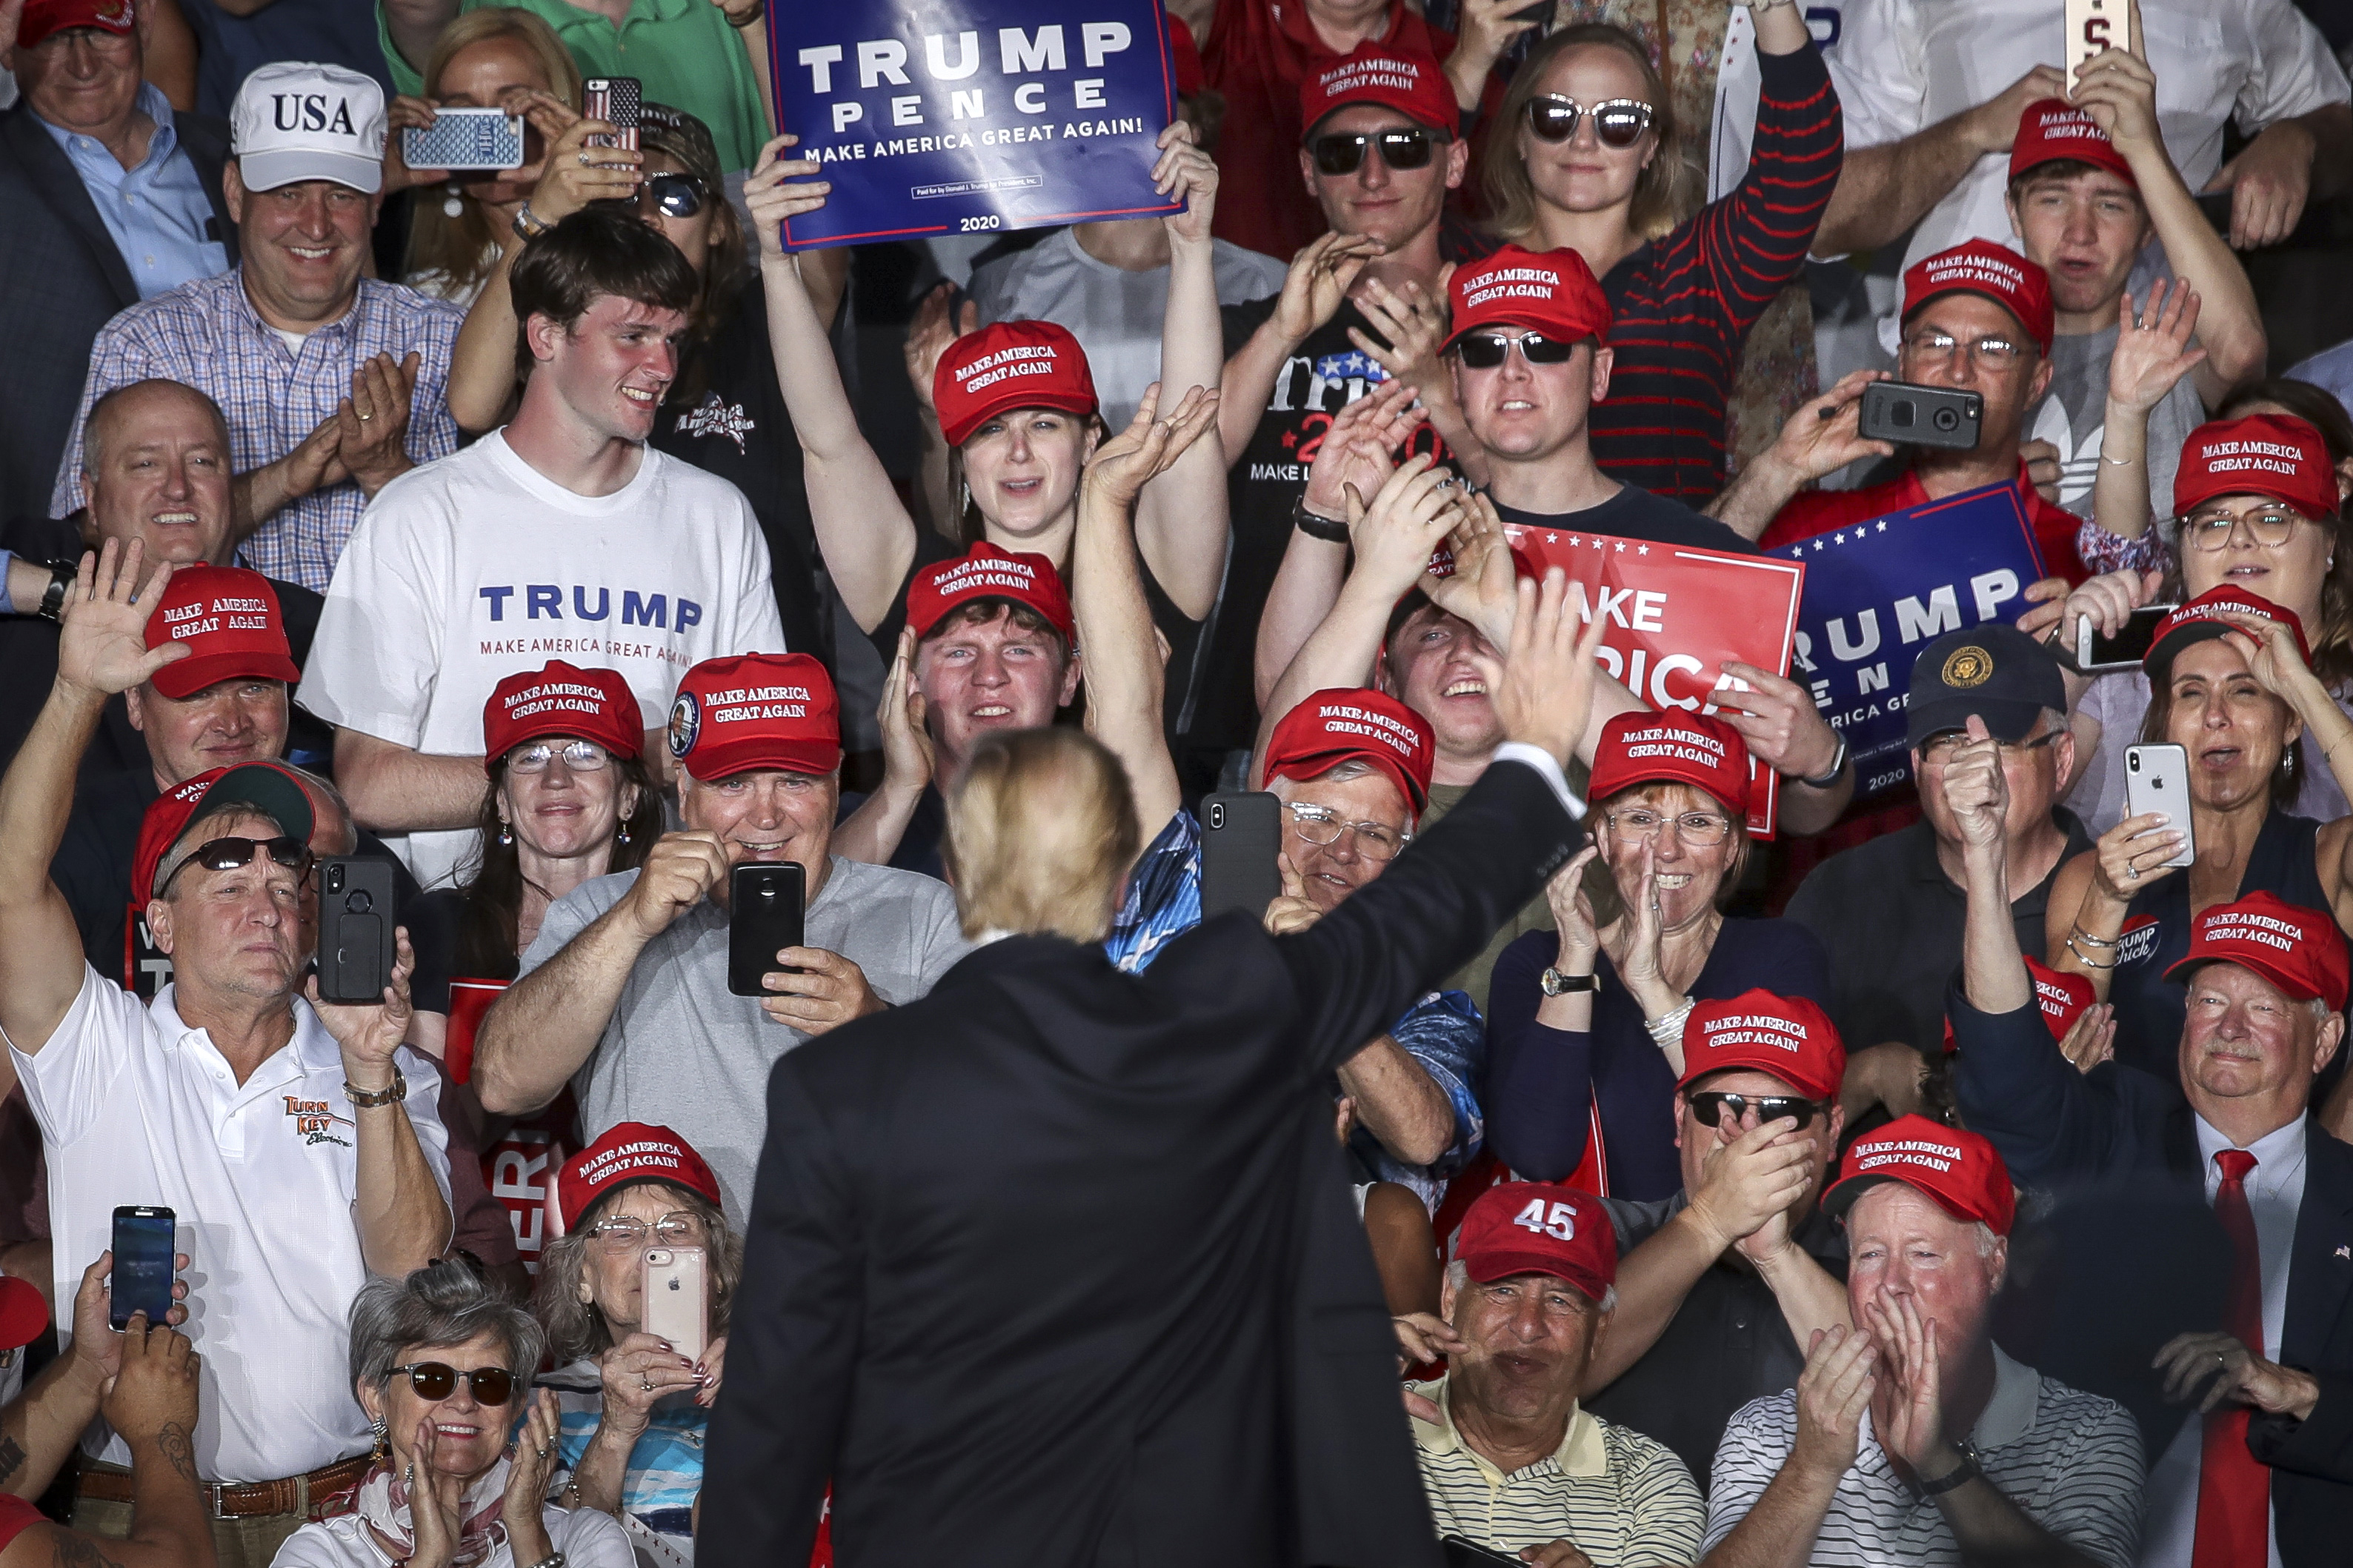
2276, 1152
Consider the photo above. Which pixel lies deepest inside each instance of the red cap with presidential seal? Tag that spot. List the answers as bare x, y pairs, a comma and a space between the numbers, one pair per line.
559, 699
2275, 455
1673, 747
2053, 130
756, 710
1548, 291
2296, 949
1345, 722
2202, 619
1787, 1036
1539, 1227
227, 617
1959, 1170
269, 788
1009, 364
1413, 84
44, 17
1995, 272
625, 1155
985, 572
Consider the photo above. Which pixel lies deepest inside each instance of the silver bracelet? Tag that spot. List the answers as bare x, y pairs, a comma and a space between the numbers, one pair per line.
1667, 1028
2118, 462
553, 1560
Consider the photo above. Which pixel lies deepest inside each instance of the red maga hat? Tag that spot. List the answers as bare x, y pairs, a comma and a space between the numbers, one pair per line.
2299, 950
1674, 746
756, 710
558, 699
2052, 129
227, 617
44, 17
985, 572
2063, 998
1010, 364
269, 788
2275, 455
1994, 271
1959, 1170
1413, 84
1331, 726
1547, 292
1539, 1227
1787, 1036
2201, 619
626, 1154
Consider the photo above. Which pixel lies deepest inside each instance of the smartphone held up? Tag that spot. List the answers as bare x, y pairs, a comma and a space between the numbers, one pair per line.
141, 1280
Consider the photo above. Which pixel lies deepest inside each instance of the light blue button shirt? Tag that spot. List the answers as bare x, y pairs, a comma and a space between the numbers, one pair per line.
157, 212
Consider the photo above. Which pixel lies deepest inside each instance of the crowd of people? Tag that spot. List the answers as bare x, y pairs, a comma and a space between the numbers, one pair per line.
1755, 1165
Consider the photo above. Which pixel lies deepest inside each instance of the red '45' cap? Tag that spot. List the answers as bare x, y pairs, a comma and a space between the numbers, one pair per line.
1538, 1227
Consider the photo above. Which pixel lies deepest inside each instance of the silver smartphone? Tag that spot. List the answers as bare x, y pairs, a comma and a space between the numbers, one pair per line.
2156, 778
2097, 653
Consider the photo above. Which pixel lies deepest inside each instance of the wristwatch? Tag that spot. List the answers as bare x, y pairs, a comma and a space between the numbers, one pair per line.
392, 1093
1838, 766
1960, 1474
1315, 525
53, 597
1555, 983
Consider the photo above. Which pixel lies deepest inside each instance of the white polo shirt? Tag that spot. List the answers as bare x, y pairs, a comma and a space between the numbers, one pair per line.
135, 1107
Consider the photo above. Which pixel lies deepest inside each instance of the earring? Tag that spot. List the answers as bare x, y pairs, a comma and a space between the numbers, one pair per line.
506, 835
452, 206
624, 833
383, 1440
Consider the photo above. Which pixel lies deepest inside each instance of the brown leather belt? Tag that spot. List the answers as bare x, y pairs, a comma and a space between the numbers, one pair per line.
322, 1494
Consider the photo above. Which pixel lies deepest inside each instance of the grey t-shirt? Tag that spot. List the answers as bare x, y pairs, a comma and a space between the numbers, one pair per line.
2073, 412
681, 1052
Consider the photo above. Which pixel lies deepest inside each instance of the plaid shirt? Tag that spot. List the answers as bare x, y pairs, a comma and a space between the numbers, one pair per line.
207, 335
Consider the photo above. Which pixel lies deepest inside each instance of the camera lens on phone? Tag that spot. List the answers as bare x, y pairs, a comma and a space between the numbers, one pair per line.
1947, 419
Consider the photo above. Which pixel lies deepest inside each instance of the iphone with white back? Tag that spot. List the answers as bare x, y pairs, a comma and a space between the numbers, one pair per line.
2156, 778
674, 1305
2094, 25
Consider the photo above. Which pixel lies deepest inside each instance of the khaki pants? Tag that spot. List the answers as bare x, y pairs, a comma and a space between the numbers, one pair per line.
239, 1543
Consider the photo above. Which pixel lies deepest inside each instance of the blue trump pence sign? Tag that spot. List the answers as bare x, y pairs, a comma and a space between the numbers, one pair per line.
936, 117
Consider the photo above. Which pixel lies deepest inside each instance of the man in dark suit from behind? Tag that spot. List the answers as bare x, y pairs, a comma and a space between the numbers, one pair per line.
110, 198
1058, 1266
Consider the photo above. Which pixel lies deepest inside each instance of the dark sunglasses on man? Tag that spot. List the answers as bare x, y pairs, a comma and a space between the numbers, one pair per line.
1487, 350
1343, 152
1618, 122
228, 854
1710, 1105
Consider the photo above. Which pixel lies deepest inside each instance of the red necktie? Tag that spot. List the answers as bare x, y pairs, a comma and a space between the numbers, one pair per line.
2234, 1489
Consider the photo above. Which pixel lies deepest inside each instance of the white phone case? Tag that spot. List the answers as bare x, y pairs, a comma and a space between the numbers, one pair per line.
2094, 25
674, 1304
2156, 778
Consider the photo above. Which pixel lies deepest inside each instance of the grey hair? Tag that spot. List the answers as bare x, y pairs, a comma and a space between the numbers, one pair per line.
326, 786
444, 1304
576, 1328
1458, 1275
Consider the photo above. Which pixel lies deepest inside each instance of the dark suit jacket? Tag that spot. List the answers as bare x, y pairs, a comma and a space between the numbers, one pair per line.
1058, 1266
2056, 1127
62, 279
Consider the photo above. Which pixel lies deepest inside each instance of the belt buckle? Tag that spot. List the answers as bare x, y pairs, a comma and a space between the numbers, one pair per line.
215, 1494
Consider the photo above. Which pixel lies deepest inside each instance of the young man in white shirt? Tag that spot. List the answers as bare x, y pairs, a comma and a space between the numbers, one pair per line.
561, 535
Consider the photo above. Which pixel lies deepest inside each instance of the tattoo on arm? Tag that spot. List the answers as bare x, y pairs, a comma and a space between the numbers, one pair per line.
173, 1440
12, 1457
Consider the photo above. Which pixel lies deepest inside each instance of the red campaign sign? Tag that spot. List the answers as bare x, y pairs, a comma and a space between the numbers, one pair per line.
1676, 614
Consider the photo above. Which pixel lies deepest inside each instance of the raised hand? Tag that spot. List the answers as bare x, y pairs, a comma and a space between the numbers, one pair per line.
1291, 909
1546, 698
1826, 434
1910, 1424
574, 174
1572, 913
1359, 448
434, 1500
526, 1493
681, 868
934, 332
1977, 792
1321, 276
1408, 519
2153, 350
1993, 124
907, 756
2118, 91
371, 1032
1778, 720
1150, 445
1833, 1391
2133, 854
2272, 656
103, 647
1414, 322
779, 188
1188, 174
1485, 587
404, 113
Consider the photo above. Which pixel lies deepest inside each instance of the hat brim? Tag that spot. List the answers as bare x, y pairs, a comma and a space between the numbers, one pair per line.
924, 629
2181, 639
2010, 720
268, 171
2291, 986
765, 753
1018, 396
1842, 1194
267, 788
554, 725
184, 678
1302, 769
1485, 1268
1776, 1065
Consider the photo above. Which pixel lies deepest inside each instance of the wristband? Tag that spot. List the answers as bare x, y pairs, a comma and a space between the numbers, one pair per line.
53, 598
1315, 525
1667, 1028
529, 224
1838, 766
392, 1093
2085, 959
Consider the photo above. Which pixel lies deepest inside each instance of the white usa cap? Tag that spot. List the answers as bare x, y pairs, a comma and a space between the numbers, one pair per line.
294, 120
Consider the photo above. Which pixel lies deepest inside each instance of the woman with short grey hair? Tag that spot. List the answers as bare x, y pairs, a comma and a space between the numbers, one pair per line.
436, 1362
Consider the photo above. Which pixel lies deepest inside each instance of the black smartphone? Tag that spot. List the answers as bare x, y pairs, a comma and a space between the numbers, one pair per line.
1241, 834
357, 911
1465, 1553
2096, 653
1921, 416
763, 917
616, 101
141, 1282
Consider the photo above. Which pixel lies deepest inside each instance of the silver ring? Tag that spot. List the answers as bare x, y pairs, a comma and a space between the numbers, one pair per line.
583, 156
2132, 874
366, 417
646, 1384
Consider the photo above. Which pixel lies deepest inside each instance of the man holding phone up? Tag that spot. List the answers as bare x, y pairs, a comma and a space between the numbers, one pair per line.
625, 993
230, 1099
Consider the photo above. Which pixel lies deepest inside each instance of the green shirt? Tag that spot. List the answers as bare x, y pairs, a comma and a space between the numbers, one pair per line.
683, 51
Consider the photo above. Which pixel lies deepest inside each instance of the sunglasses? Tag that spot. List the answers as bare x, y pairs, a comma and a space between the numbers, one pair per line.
1710, 1107
435, 1381
1618, 122
678, 196
1487, 350
228, 854
1342, 153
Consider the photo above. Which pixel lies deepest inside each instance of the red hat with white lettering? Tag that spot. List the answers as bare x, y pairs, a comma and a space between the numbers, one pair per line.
44, 17
1994, 271
2299, 950
2053, 130
1674, 746
626, 1154
1009, 364
1413, 84
2275, 455
1539, 1227
756, 710
985, 572
2201, 619
269, 788
1787, 1036
1548, 291
1959, 1170
1345, 722
227, 617
2063, 998
558, 699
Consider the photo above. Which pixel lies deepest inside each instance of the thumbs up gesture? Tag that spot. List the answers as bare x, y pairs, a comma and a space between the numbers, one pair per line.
1975, 789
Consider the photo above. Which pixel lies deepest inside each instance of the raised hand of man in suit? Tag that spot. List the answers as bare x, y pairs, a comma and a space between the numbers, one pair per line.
1549, 673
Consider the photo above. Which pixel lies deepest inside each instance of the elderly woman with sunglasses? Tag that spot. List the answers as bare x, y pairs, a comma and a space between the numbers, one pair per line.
440, 1361
1585, 1027
1584, 155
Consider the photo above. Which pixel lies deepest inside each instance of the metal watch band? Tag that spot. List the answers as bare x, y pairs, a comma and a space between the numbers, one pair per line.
529, 224
366, 1099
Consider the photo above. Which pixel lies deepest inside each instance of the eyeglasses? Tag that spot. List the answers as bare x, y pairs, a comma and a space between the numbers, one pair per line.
228, 854
1487, 350
677, 195
2269, 528
678, 1228
1710, 1107
1939, 747
105, 40
1701, 827
1999, 352
1321, 825
435, 1381
1618, 122
1343, 152
579, 756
